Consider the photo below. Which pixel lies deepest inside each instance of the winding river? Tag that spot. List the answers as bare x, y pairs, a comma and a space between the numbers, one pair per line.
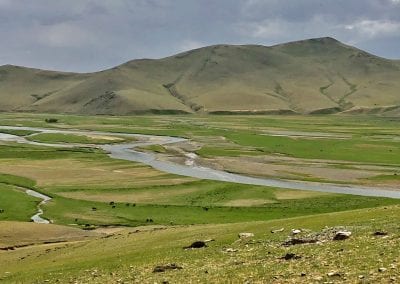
126, 151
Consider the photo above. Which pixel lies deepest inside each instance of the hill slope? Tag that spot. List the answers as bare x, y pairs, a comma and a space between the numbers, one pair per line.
311, 76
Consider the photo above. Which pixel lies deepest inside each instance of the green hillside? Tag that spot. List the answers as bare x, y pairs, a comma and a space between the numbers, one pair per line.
311, 76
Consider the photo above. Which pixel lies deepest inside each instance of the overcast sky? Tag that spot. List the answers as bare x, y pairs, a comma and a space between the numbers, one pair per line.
89, 35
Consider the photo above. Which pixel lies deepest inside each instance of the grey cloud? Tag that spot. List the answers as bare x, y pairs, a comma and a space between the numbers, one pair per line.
88, 35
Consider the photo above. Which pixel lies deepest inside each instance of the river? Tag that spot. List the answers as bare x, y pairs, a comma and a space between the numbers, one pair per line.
126, 151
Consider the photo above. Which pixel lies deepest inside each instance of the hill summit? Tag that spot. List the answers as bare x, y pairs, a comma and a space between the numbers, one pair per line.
319, 75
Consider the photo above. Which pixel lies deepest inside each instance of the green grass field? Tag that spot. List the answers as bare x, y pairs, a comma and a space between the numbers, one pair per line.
91, 190
15, 205
131, 255
71, 138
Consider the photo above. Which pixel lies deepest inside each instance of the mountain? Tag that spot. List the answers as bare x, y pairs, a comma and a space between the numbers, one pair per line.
319, 75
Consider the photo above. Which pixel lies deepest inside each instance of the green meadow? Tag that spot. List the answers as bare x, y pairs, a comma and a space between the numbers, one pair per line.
139, 217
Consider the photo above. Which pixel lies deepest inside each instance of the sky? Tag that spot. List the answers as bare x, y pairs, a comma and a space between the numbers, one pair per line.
91, 35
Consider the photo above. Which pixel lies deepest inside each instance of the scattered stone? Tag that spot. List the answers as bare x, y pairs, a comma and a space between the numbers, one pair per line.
290, 256
296, 231
277, 231
342, 235
231, 250
334, 274
382, 269
361, 276
196, 244
163, 268
380, 233
245, 235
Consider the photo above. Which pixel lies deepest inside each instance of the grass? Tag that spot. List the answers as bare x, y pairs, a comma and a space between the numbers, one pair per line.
356, 150
27, 234
130, 257
17, 205
393, 177
19, 151
153, 148
91, 190
72, 138
17, 132
222, 79
17, 181
206, 206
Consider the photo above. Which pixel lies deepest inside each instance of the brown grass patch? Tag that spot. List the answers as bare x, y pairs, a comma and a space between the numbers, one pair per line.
297, 194
149, 197
26, 233
68, 172
248, 202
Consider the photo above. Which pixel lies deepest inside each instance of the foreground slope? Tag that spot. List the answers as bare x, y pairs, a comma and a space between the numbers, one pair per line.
311, 76
130, 255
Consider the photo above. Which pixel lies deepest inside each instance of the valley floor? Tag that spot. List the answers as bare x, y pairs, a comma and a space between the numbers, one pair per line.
115, 220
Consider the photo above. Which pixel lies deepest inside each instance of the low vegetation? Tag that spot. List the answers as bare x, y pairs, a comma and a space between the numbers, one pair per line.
131, 255
72, 138
135, 218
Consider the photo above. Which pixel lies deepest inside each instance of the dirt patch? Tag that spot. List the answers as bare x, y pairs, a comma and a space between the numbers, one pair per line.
23, 233
105, 137
71, 172
248, 202
148, 197
297, 194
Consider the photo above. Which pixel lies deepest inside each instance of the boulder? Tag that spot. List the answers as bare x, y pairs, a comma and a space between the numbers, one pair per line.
342, 235
245, 235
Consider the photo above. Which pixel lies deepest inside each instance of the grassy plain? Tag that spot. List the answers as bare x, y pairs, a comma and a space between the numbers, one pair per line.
130, 255
91, 190
72, 138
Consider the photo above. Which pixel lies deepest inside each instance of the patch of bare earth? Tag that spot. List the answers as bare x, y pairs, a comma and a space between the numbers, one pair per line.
248, 202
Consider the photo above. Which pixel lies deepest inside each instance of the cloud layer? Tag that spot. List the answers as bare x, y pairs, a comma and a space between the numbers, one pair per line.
89, 35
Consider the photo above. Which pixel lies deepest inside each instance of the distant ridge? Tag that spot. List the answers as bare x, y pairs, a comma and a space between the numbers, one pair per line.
313, 76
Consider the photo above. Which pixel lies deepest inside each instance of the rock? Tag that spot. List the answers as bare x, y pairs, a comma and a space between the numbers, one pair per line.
380, 233
197, 244
163, 268
334, 274
245, 235
342, 235
277, 231
296, 231
382, 269
231, 250
290, 256
303, 274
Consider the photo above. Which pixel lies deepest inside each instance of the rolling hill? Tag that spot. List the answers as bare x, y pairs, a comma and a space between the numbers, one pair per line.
319, 75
